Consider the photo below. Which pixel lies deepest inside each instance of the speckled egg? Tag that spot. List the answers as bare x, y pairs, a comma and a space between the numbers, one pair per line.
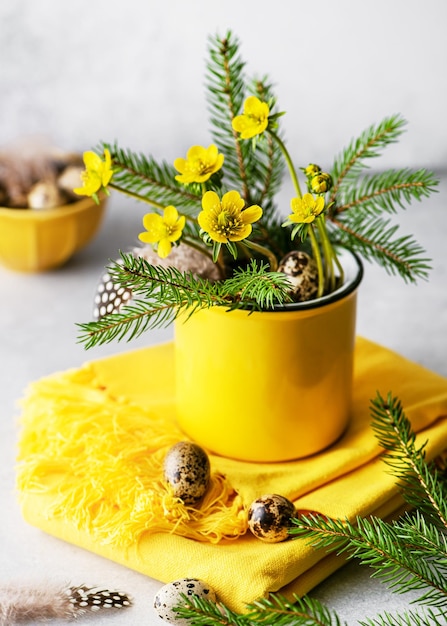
187, 470
169, 597
301, 270
269, 518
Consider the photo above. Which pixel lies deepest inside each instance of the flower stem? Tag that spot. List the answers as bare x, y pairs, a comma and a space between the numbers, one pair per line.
264, 251
318, 260
286, 155
330, 254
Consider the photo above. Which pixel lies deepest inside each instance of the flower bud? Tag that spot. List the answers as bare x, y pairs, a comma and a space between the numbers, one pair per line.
311, 170
320, 183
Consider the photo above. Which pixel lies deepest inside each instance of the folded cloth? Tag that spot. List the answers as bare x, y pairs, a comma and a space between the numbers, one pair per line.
91, 453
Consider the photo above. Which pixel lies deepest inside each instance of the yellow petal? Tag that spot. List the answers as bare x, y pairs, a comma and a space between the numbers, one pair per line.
164, 248
107, 158
175, 235
92, 160
211, 153
254, 106
170, 215
233, 199
210, 201
152, 220
242, 233
196, 152
319, 205
252, 214
179, 165
205, 221
155, 227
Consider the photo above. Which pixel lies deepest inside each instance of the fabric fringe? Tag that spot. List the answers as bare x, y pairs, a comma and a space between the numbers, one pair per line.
101, 458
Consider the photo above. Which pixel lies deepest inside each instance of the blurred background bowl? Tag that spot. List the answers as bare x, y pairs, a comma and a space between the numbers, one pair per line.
37, 240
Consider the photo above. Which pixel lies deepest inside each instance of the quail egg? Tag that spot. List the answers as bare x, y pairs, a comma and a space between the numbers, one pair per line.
269, 517
187, 471
169, 597
301, 270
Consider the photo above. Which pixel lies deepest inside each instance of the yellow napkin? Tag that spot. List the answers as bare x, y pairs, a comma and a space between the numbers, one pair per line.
90, 472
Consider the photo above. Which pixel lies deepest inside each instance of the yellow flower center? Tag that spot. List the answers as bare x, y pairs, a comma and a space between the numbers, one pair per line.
228, 225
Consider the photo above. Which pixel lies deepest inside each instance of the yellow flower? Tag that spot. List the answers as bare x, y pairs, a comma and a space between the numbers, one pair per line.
163, 230
226, 220
306, 209
254, 120
97, 174
321, 182
200, 164
311, 170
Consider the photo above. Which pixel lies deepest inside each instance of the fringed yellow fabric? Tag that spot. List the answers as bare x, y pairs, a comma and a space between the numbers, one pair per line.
101, 458
91, 449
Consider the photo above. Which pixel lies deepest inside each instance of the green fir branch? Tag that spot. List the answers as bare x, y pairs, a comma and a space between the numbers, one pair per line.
275, 609
203, 612
254, 170
408, 554
420, 482
255, 284
225, 84
279, 611
375, 239
351, 162
161, 294
166, 292
143, 178
386, 191
421, 617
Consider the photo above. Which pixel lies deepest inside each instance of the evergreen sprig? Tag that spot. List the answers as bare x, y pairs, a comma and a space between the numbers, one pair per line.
161, 294
257, 172
353, 160
421, 482
421, 617
226, 88
145, 179
255, 284
360, 200
275, 610
385, 191
376, 239
407, 554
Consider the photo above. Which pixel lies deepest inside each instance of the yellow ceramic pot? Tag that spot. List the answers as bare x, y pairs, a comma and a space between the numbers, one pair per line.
34, 240
269, 386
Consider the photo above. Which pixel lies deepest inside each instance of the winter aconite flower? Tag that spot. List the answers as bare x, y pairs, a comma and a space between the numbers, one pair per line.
254, 120
320, 183
163, 230
306, 209
226, 220
97, 174
200, 164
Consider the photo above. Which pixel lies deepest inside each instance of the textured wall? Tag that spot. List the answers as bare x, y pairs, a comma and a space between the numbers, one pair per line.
87, 70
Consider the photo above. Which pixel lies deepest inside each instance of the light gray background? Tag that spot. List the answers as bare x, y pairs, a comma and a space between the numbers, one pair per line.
88, 70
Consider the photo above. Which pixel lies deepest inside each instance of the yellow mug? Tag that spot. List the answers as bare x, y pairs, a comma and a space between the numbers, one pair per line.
268, 386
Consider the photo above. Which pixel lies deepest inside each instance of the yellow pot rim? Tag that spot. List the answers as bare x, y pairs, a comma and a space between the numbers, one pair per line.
47, 214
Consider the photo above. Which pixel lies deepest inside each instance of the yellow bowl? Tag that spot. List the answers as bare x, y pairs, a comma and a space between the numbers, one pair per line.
35, 240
